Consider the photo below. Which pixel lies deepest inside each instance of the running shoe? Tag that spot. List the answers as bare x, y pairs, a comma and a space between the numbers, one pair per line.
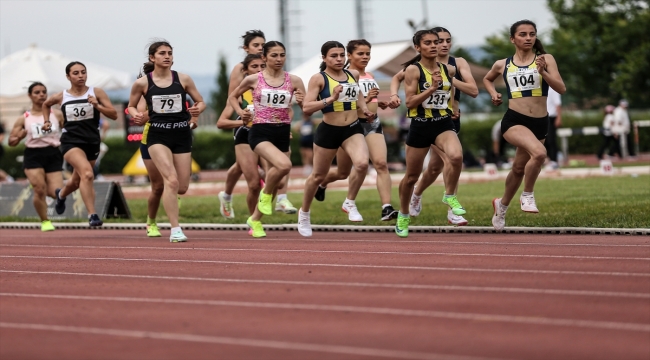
225, 206
256, 226
177, 236
351, 210
153, 231
388, 213
454, 205
304, 223
265, 203
320, 193
456, 220
285, 206
499, 217
60, 203
415, 206
46, 225
402, 226
528, 203
94, 220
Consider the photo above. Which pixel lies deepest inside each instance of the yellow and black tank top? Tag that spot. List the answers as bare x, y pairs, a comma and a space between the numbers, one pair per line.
347, 99
524, 81
438, 104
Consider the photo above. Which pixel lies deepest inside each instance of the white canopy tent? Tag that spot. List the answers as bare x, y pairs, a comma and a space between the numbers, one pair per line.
21, 68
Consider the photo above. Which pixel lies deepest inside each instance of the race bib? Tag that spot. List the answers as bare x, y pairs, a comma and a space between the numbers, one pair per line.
523, 79
251, 108
438, 100
366, 85
273, 98
78, 112
37, 131
167, 104
349, 93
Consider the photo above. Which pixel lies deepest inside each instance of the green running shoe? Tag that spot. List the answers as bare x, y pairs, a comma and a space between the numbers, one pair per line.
256, 226
402, 226
453, 204
266, 203
153, 231
46, 225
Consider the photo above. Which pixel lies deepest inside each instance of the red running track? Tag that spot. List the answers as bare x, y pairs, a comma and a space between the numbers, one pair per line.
78, 294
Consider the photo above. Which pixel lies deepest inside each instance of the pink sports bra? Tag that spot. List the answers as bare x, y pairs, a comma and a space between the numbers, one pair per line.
36, 138
272, 103
367, 83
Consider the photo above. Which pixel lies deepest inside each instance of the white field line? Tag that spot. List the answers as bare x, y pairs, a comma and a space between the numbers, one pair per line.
529, 320
353, 284
334, 251
393, 267
372, 240
272, 344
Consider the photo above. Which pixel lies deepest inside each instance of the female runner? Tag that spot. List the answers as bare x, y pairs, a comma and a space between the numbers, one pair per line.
335, 91
527, 74
42, 160
269, 137
169, 139
81, 106
429, 92
247, 159
463, 82
358, 58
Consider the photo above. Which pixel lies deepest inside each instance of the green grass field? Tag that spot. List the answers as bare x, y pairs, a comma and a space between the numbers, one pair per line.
616, 202
607, 202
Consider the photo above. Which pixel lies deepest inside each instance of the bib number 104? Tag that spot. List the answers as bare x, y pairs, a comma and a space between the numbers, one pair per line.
524, 80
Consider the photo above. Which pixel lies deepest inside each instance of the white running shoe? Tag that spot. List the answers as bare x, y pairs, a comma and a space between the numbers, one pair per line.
528, 204
285, 206
225, 206
456, 220
304, 223
499, 217
415, 206
177, 237
351, 210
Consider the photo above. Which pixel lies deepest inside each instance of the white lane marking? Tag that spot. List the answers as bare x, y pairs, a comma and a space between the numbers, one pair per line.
530, 320
354, 284
281, 345
267, 239
330, 251
394, 267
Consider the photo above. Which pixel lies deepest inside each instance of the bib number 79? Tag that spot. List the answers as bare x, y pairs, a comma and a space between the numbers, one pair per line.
168, 102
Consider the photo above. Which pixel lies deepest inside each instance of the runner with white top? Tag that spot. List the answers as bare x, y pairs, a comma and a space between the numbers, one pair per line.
528, 75
42, 159
81, 106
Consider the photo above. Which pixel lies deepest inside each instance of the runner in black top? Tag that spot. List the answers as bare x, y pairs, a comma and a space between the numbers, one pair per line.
81, 106
169, 139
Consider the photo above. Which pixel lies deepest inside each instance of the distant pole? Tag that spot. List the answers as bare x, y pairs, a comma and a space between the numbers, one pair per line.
284, 28
425, 12
358, 6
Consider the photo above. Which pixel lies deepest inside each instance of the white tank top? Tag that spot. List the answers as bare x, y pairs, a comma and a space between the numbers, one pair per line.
36, 138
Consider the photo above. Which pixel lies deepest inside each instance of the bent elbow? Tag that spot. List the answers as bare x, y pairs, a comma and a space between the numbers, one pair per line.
473, 93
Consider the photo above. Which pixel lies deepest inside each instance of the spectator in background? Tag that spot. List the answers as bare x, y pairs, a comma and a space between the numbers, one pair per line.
610, 142
306, 130
3, 175
103, 148
554, 108
622, 125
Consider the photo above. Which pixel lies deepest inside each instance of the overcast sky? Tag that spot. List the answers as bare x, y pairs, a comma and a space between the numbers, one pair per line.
115, 33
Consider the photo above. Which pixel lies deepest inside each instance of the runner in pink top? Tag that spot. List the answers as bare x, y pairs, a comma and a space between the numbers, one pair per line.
42, 160
270, 135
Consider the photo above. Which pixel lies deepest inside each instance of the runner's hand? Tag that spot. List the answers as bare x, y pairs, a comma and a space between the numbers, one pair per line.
394, 102
383, 105
370, 116
541, 63
336, 92
93, 101
373, 93
194, 110
139, 119
300, 97
496, 99
193, 123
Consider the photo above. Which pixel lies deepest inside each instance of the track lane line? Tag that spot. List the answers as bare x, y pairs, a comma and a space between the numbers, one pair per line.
281, 345
393, 267
581, 257
352, 284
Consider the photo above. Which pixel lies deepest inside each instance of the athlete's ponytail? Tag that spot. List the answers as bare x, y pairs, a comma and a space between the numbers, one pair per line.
326, 48
353, 45
539, 48
147, 67
417, 38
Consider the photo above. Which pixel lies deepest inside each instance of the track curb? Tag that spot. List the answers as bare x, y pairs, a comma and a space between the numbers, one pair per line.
350, 228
